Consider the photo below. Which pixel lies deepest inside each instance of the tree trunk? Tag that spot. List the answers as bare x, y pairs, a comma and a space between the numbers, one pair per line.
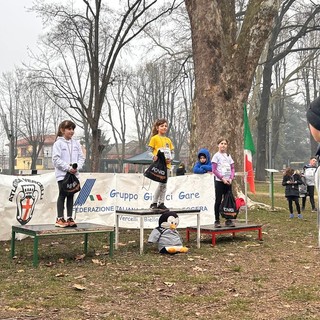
95, 153
224, 69
12, 147
263, 123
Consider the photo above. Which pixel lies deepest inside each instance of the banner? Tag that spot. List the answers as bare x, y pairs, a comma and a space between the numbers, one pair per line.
33, 199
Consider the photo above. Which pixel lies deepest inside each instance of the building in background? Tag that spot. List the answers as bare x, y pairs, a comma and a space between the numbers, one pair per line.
24, 151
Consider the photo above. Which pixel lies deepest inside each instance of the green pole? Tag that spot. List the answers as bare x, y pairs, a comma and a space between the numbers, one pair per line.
35, 251
13, 245
86, 243
272, 195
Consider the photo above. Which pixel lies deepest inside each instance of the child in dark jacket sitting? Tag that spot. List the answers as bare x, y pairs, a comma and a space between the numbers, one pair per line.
203, 165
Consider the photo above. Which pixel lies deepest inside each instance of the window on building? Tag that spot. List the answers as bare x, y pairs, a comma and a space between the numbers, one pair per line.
39, 162
23, 152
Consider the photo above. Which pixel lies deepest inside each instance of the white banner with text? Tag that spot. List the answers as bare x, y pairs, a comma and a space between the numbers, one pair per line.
33, 199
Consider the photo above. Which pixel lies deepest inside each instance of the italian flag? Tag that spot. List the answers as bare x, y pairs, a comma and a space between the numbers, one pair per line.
249, 151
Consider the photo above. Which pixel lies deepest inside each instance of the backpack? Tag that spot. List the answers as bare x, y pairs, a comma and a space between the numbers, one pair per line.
157, 171
228, 208
303, 188
70, 184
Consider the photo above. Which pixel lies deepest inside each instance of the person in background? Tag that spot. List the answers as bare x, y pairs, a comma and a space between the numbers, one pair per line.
224, 172
181, 170
309, 171
203, 164
65, 152
159, 141
303, 189
291, 181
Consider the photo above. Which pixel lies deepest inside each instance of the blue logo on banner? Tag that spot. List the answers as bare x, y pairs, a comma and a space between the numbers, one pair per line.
85, 192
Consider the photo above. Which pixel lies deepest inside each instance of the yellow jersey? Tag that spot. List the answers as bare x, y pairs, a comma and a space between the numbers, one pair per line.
163, 144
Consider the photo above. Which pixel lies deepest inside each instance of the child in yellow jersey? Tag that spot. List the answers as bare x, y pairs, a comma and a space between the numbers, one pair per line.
159, 141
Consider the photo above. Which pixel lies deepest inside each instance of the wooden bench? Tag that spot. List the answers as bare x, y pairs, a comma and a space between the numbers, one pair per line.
46, 230
143, 213
210, 229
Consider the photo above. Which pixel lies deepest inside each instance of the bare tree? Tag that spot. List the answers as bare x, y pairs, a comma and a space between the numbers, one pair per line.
161, 90
118, 113
36, 118
278, 48
139, 102
10, 109
172, 42
87, 43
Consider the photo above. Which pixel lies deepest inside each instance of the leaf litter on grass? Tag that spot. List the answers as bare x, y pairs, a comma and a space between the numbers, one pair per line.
239, 278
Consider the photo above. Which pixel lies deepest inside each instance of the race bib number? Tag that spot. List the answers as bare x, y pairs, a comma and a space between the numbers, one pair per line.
167, 153
226, 170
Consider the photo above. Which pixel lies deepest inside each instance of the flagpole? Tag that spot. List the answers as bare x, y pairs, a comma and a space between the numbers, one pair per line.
245, 182
244, 164
246, 190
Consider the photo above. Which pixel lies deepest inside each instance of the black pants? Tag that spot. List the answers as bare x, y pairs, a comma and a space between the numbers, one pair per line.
310, 193
296, 201
61, 200
220, 190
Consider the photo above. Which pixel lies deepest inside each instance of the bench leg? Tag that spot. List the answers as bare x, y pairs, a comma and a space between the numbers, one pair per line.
188, 235
117, 232
13, 243
86, 243
198, 231
260, 234
141, 234
35, 251
111, 241
213, 239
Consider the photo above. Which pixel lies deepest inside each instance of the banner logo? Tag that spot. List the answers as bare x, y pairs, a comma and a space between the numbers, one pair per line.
84, 192
26, 193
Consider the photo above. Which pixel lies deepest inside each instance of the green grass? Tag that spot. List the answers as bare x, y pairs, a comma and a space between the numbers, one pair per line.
239, 278
301, 294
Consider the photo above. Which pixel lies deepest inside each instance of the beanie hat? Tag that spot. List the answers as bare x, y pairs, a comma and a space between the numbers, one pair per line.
202, 155
313, 113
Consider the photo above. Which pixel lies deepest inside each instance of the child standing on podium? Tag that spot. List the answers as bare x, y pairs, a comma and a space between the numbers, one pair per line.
66, 151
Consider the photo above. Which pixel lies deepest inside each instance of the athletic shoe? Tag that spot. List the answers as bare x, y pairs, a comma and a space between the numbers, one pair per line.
229, 223
300, 216
60, 222
314, 210
153, 206
71, 223
217, 224
161, 206
291, 216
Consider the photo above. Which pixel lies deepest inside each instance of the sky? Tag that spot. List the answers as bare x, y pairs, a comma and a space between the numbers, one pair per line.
19, 29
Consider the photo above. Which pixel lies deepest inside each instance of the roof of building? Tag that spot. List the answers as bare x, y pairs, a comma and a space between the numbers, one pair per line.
48, 140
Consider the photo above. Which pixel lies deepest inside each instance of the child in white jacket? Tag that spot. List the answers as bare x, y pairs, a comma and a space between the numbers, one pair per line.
66, 152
